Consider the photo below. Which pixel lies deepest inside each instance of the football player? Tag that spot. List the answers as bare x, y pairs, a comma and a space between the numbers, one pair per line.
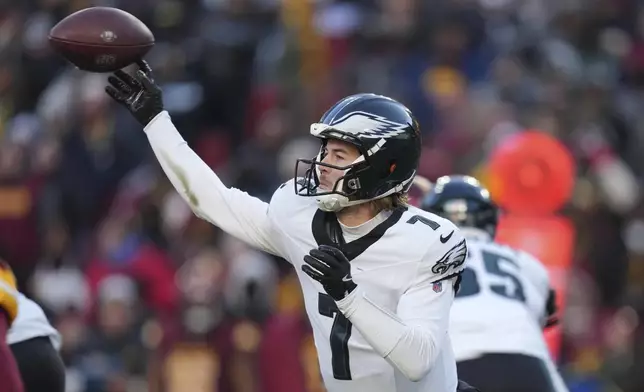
377, 276
9, 373
504, 302
34, 343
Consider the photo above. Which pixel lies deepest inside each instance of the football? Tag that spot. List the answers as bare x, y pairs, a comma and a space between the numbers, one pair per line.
101, 39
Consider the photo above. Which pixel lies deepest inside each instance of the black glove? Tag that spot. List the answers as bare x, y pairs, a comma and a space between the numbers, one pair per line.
332, 269
138, 93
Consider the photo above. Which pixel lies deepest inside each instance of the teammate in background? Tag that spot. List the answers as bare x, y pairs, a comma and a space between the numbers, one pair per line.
504, 302
377, 276
9, 373
34, 343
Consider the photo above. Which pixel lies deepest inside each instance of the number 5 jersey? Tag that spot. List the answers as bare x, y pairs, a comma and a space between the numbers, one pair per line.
501, 306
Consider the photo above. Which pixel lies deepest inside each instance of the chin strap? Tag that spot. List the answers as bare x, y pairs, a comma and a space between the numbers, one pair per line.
331, 203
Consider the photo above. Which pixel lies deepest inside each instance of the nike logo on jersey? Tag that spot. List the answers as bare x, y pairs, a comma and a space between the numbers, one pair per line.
445, 239
347, 278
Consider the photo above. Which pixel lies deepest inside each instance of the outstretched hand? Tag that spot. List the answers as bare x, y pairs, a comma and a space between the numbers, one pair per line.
138, 93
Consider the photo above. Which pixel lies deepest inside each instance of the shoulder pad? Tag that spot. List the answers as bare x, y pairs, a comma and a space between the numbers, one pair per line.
285, 202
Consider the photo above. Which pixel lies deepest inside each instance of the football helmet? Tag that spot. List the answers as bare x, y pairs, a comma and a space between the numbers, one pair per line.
388, 138
464, 201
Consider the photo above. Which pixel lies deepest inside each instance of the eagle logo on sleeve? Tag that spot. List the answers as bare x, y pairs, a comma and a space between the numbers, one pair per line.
453, 259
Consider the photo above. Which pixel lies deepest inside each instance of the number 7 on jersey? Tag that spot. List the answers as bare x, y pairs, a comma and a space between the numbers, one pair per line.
339, 339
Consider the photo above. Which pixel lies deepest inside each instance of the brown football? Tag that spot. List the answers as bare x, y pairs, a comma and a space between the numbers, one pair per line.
101, 39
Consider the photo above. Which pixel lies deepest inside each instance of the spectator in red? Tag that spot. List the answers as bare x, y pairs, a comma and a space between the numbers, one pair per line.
19, 196
121, 249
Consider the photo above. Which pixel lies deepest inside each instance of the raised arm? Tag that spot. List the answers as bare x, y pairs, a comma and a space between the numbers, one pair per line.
232, 210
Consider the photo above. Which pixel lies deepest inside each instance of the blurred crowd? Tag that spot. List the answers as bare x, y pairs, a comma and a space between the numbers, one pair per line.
149, 298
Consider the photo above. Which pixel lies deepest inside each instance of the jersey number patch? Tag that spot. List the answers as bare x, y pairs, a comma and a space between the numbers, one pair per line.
428, 222
496, 265
340, 334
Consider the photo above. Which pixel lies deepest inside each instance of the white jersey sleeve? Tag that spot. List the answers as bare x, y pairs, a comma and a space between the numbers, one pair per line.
412, 338
235, 212
31, 323
537, 274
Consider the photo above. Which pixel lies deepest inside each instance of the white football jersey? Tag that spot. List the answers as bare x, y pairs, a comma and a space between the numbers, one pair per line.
501, 305
391, 333
385, 269
30, 323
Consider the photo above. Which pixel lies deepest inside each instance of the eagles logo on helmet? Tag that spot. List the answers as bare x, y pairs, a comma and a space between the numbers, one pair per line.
387, 136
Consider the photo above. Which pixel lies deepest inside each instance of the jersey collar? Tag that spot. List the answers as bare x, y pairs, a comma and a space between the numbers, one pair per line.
327, 231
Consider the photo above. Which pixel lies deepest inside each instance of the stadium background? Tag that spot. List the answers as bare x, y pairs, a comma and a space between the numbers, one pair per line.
147, 297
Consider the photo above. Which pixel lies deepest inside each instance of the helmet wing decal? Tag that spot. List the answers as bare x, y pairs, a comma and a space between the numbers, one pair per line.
362, 125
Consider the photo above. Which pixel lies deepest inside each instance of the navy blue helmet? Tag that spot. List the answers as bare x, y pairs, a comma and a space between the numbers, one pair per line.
464, 201
386, 134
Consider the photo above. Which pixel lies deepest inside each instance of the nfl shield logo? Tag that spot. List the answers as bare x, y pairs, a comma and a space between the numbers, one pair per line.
437, 287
